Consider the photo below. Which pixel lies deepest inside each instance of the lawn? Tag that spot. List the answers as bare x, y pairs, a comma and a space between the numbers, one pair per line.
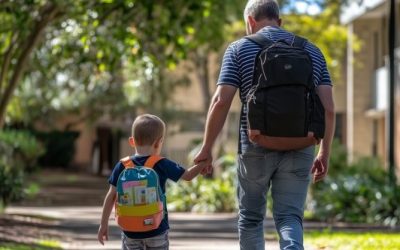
41, 245
350, 241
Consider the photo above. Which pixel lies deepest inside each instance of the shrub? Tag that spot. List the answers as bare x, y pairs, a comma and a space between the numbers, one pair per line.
359, 192
217, 194
60, 147
19, 154
11, 181
20, 147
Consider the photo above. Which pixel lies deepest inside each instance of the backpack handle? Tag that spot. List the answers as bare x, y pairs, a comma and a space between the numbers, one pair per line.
150, 162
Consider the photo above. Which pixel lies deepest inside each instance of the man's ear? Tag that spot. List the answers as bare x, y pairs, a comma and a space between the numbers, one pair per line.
132, 142
251, 24
279, 22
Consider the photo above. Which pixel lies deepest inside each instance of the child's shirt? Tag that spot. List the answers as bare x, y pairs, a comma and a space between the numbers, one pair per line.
166, 169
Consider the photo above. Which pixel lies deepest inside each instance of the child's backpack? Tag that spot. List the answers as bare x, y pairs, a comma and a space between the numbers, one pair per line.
282, 102
140, 202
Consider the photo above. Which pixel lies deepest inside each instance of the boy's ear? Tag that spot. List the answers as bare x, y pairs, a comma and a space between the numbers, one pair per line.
132, 141
158, 142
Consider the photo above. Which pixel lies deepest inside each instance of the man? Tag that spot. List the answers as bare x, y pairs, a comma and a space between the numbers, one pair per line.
287, 173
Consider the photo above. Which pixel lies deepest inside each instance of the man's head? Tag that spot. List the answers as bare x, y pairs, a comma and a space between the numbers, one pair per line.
261, 13
147, 130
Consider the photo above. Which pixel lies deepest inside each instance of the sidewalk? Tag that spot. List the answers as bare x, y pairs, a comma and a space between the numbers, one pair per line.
188, 231
68, 210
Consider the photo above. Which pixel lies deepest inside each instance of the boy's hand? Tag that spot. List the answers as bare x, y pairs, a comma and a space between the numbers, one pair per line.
102, 234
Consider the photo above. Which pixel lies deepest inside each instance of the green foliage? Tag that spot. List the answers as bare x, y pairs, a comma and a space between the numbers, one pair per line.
40, 245
85, 45
19, 153
325, 31
60, 147
350, 241
359, 192
204, 194
20, 148
11, 181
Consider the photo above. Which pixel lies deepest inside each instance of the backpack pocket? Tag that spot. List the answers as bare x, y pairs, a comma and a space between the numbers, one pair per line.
286, 111
287, 70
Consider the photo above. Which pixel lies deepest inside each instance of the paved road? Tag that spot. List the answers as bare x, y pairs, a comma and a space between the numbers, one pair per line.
188, 231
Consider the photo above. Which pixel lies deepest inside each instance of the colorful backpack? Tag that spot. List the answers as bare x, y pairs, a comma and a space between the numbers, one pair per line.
140, 202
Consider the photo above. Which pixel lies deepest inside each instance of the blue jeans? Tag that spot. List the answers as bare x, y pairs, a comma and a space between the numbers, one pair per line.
159, 242
288, 174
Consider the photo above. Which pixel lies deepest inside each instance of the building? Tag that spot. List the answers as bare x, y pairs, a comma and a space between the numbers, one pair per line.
367, 84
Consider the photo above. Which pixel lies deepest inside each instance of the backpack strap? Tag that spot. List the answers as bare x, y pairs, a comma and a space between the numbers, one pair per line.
152, 161
127, 162
260, 39
299, 42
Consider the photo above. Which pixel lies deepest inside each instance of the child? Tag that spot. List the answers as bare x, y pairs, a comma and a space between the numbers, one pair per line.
147, 139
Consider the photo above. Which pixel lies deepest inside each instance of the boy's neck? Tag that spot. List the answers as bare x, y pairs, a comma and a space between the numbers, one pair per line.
145, 150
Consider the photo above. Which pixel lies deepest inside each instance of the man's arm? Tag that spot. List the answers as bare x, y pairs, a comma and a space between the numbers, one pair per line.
321, 163
217, 113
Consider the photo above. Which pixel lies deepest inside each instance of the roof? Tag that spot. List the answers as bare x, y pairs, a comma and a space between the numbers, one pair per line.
357, 8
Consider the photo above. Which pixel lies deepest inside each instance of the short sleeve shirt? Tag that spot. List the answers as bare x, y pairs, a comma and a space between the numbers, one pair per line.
238, 63
166, 169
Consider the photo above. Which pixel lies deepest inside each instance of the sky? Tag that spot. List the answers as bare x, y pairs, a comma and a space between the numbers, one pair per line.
304, 7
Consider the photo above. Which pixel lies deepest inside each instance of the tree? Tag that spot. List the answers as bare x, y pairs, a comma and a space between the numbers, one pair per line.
18, 41
324, 30
85, 41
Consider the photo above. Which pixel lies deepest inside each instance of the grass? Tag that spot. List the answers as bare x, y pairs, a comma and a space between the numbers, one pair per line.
350, 241
40, 245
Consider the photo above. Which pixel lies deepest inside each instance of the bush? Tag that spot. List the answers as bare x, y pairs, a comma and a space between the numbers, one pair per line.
20, 147
359, 192
11, 181
205, 194
60, 147
19, 154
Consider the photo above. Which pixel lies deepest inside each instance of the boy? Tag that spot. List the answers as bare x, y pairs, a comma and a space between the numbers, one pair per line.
147, 139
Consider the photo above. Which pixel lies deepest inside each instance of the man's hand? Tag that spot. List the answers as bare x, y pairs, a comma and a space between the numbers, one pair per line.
320, 167
102, 234
206, 157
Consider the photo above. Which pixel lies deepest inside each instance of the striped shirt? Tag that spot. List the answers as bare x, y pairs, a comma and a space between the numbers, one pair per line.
238, 62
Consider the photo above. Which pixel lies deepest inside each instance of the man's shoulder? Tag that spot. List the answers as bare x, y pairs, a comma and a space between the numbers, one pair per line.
242, 45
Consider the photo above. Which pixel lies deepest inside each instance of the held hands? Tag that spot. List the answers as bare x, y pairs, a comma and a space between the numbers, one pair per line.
320, 167
205, 157
102, 234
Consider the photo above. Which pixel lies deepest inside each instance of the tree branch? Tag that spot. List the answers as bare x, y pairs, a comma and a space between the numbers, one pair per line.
6, 61
48, 13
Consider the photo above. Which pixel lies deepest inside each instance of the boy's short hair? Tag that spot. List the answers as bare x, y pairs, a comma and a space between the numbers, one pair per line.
147, 129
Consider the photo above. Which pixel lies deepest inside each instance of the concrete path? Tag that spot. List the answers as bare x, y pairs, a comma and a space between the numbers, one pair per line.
73, 202
188, 231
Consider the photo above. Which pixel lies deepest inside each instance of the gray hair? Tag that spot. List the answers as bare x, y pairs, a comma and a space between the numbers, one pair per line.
261, 9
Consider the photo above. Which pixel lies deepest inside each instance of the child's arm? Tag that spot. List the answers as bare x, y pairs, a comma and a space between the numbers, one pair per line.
109, 201
192, 172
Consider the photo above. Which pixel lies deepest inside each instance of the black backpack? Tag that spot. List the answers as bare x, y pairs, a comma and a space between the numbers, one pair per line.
282, 101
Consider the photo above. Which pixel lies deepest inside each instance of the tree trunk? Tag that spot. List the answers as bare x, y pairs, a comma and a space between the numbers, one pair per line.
203, 75
48, 14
